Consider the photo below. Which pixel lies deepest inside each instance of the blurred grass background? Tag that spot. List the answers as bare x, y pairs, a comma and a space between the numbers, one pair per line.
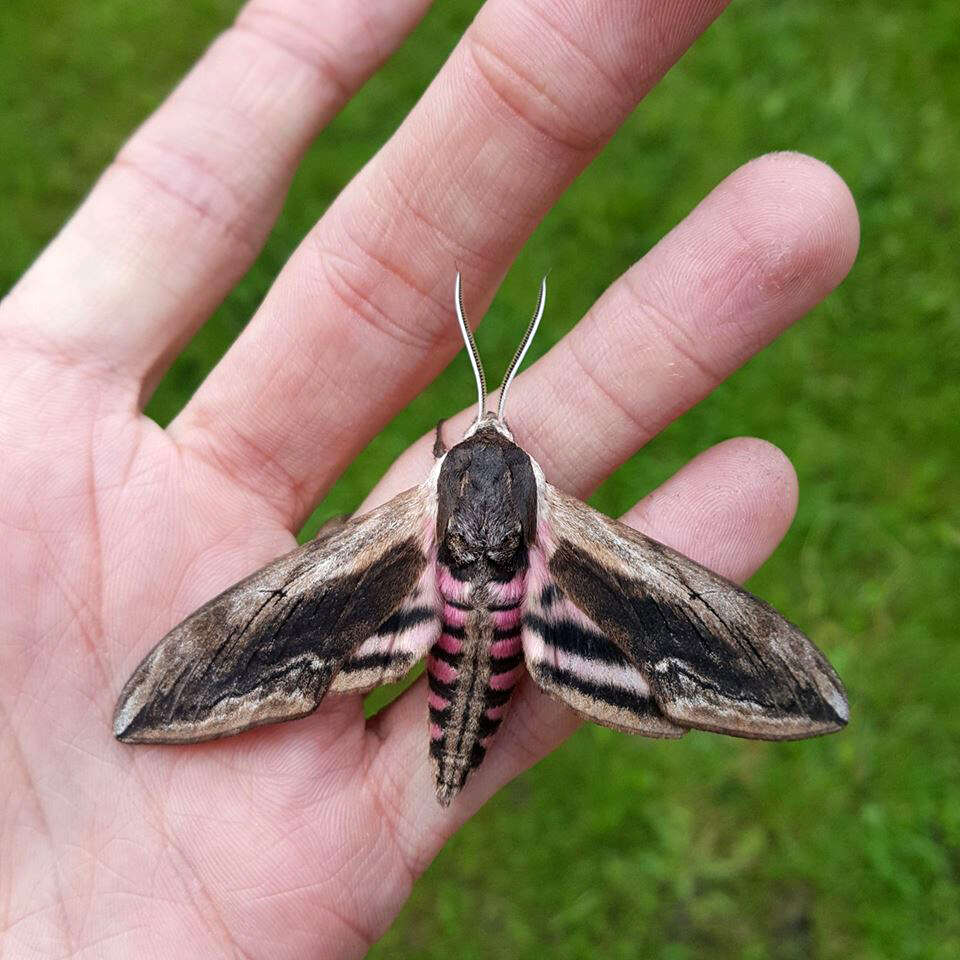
847, 847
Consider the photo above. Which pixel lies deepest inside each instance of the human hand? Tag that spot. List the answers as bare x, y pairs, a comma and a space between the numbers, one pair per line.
305, 839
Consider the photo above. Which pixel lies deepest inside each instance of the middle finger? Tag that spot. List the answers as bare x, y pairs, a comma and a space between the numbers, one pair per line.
359, 320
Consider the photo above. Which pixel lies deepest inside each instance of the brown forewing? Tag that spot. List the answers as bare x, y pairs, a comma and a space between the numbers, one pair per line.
716, 657
268, 648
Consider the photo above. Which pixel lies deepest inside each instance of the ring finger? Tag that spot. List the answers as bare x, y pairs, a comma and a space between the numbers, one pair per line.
762, 249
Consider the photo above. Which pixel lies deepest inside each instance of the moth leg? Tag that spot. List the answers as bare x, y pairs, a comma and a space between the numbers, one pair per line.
439, 447
331, 526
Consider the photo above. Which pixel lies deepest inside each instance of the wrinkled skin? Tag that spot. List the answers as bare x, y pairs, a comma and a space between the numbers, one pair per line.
303, 840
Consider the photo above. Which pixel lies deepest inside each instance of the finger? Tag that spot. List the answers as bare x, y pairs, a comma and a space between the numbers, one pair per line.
728, 508
762, 249
175, 221
360, 319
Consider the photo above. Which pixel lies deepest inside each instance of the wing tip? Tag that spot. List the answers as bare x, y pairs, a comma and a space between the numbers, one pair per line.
133, 723
833, 699
131, 716
128, 727
819, 708
123, 721
836, 699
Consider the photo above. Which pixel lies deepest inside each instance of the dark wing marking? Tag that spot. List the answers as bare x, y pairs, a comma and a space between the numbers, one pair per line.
268, 648
570, 658
398, 643
716, 657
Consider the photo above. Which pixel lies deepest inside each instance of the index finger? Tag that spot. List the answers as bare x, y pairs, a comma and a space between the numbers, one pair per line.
360, 318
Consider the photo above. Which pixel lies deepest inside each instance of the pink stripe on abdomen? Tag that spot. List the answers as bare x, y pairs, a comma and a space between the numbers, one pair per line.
506, 619
506, 681
449, 643
437, 702
442, 670
450, 587
454, 616
509, 593
495, 713
505, 648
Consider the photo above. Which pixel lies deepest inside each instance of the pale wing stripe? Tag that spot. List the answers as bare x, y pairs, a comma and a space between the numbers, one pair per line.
626, 678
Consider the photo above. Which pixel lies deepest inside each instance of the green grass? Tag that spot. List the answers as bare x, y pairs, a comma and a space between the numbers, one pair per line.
847, 847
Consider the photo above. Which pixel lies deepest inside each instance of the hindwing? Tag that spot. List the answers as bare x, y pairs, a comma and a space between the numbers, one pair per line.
572, 659
388, 654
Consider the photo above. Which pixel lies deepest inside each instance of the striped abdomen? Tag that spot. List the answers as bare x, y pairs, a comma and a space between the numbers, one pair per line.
472, 669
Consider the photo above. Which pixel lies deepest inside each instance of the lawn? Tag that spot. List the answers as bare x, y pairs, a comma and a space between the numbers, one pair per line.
846, 847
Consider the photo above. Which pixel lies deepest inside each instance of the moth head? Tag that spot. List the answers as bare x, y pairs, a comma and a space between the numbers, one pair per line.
487, 418
489, 421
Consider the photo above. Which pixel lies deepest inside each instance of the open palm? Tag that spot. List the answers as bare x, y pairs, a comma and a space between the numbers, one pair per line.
304, 840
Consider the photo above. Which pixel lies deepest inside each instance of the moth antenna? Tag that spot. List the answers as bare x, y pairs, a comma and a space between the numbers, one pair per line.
472, 352
522, 349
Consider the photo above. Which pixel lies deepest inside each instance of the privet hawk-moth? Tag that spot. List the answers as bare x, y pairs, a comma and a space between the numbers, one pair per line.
487, 570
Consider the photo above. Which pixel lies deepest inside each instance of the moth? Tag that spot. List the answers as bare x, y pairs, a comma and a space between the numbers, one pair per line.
488, 571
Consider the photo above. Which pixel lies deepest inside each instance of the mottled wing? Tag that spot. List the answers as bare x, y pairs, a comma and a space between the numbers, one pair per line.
399, 642
715, 656
268, 648
570, 658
